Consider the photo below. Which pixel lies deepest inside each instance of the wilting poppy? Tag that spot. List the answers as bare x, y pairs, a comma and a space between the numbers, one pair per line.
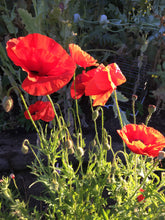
48, 65
78, 89
141, 197
141, 139
81, 57
104, 82
41, 110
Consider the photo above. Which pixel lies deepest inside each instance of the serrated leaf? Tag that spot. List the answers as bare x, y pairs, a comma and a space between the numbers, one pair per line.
10, 26
32, 24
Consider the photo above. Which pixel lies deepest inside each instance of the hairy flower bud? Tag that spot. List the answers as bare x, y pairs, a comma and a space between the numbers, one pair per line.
107, 146
25, 148
12, 176
80, 151
151, 109
68, 144
161, 155
71, 150
7, 103
134, 98
95, 115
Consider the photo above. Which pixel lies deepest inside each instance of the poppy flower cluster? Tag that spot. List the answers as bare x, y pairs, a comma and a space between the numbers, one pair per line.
143, 140
99, 83
40, 110
49, 68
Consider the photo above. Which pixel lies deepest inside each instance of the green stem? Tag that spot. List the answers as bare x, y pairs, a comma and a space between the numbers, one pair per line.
133, 110
147, 119
77, 112
74, 116
58, 121
95, 124
118, 110
119, 116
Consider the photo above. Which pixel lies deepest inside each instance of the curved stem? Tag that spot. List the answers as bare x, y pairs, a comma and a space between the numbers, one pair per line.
118, 110
133, 110
119, 116
58, 121
96, 132
77, 112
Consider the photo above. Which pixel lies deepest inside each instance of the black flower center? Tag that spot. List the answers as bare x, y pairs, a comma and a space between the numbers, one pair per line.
34, 72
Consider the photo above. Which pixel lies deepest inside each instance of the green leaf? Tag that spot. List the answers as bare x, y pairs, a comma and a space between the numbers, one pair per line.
10, 26
120, 97
123, 115
32, 24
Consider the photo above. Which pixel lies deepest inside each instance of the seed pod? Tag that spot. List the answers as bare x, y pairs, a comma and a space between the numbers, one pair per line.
7, 103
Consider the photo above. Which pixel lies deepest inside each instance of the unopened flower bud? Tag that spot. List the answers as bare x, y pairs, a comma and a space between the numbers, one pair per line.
25, 148
7, 103
95, 115
69, 144
80, 151
71, 150
93, 143
151, 109
161, 155
12, 176
107, 146
134, 97
55, 184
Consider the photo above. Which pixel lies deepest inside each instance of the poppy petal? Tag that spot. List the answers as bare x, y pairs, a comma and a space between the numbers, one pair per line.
81, 81
101, 82
41, 110
141, 139
44, 60
81, 57
116, 75
101, 99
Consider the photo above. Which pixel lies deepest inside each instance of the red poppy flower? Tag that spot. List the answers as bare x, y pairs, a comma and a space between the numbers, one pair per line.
81, 57
81, 81
41, 110
141, 139
141, 197
48, 65
104, 82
